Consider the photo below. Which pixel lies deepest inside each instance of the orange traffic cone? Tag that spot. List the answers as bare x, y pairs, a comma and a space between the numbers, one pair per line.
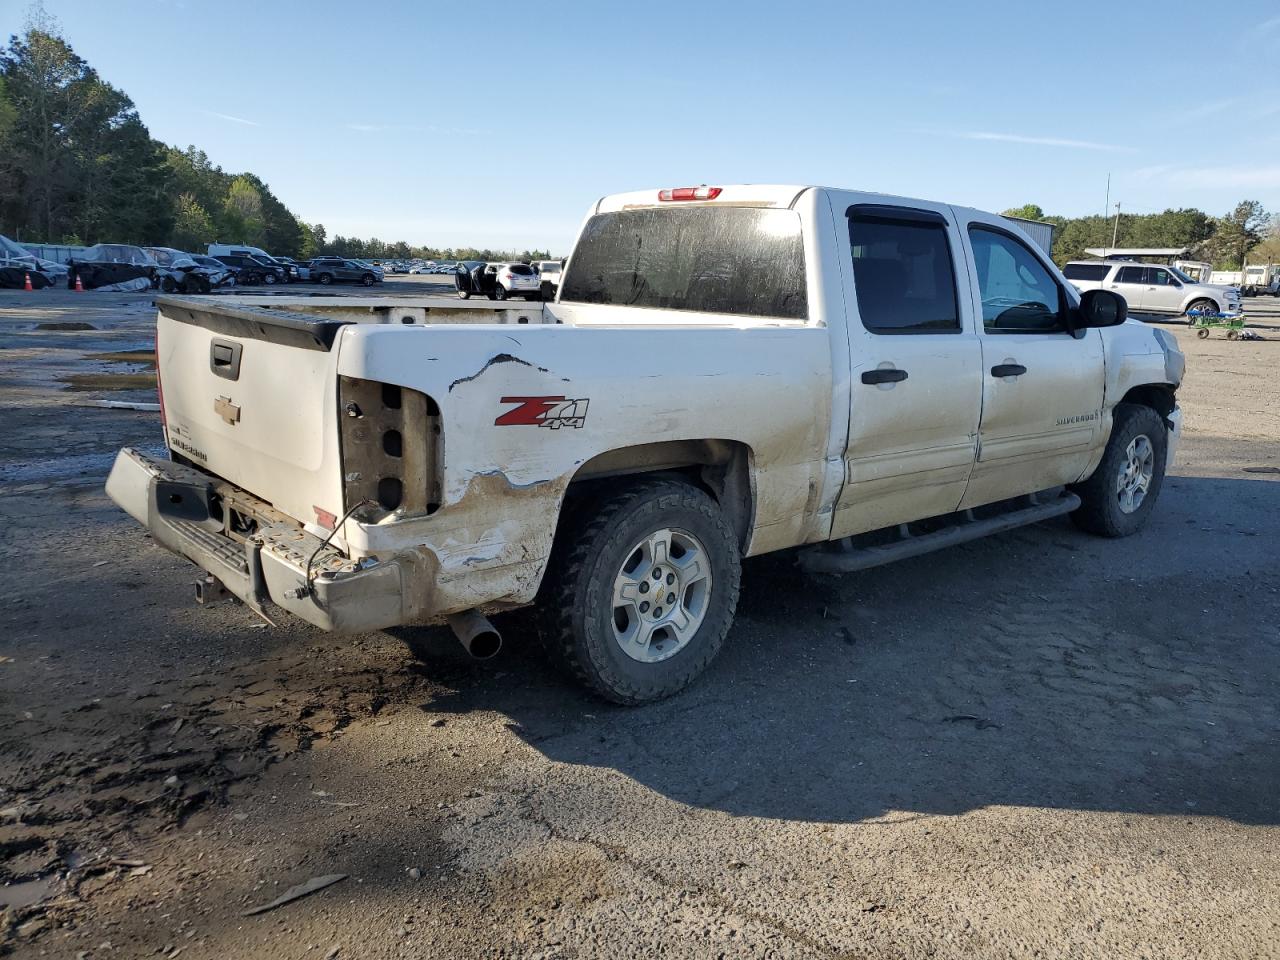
26, 283
79, 285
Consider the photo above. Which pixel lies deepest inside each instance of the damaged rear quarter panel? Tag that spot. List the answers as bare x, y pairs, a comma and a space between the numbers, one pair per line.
503, 482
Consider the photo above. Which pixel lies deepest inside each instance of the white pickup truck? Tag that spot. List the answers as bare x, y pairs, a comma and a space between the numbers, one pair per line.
726, 371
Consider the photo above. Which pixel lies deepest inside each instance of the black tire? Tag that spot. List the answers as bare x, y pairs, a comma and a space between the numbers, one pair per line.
1203, 333
1204, 305
575, 609
325, 279
168, 285
367, 279
269, 279
548, 292
464, 294
500, 292
1100, 511
491, 295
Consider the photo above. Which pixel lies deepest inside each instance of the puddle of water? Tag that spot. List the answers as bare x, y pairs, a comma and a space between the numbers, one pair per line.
15, 896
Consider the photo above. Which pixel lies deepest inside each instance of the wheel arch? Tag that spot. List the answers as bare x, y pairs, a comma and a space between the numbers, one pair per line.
721, 468
1159, 396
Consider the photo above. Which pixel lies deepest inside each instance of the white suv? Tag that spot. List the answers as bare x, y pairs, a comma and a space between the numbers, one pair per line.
1152, 289
515, 280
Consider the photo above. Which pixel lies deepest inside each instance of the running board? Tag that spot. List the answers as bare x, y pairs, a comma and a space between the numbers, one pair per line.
842, 557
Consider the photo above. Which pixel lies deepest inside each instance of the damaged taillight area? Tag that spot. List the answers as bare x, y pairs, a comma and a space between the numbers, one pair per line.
390, 447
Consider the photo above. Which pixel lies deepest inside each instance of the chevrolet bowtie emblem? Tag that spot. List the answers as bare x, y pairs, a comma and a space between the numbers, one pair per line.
227, 410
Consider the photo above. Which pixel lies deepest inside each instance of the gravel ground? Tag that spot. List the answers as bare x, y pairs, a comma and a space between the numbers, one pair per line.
1040, 744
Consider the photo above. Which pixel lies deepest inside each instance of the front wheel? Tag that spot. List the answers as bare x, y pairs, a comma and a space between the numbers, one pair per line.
500, 293
367, 279
325, 279
641, 590
464, 294
1203, 333
269, 279
1118, 498
1205, 308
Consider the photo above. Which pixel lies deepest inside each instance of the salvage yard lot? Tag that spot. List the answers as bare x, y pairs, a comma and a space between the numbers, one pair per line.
1041, 742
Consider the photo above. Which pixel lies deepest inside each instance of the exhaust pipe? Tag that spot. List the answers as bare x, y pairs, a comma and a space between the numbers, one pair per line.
477, 635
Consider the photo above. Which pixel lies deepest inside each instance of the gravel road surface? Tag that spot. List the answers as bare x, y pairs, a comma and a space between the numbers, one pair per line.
1038, 745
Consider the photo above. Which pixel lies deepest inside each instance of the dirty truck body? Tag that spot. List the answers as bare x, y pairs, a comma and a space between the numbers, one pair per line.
775, 367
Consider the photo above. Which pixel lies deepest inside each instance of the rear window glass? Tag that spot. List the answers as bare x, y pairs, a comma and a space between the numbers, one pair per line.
519, 269
733, 260
1086, 271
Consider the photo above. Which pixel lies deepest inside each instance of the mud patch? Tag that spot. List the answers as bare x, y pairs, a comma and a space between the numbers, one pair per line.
91, 382
66, 326
146, 357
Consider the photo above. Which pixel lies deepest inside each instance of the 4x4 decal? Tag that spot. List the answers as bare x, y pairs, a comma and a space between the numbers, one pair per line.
553, 412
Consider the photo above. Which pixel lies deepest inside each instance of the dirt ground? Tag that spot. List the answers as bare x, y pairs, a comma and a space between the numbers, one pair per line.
1037, 745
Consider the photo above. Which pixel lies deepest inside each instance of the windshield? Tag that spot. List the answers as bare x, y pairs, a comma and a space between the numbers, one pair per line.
1182, 276
747, 261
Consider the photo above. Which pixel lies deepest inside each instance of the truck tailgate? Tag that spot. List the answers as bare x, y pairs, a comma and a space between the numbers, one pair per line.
250, 395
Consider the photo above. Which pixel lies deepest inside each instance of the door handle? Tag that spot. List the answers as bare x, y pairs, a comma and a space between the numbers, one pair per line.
884, 376
1008, 370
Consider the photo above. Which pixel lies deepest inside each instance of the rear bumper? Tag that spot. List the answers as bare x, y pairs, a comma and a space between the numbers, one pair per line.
179, 506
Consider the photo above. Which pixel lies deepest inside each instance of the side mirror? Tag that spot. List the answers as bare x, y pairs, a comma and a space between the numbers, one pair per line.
1102, 308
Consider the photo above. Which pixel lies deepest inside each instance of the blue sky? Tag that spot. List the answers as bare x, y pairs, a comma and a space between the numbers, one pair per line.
380, 119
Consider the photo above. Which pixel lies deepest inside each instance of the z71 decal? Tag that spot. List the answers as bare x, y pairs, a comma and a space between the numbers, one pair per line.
553, 412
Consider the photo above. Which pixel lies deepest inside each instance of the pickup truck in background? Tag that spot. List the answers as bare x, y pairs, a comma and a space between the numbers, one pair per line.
726, 371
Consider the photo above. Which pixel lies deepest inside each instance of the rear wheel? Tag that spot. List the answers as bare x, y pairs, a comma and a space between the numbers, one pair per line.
464, 294
168, 285
500, 292
1118, 498
641, 591
1203, 333
325, 279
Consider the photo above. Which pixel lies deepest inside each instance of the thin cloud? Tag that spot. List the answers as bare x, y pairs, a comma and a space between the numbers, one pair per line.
227, 116
1042, 141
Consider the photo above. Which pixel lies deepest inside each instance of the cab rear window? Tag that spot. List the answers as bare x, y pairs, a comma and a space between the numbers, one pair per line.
745, 261
1086, 271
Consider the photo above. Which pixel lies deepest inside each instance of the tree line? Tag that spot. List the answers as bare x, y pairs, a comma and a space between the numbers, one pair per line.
78, 166
1247, 231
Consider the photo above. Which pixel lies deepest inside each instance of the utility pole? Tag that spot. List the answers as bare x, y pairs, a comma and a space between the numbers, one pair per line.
1116, 231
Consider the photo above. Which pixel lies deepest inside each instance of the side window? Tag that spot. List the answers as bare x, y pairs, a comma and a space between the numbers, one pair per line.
1161, 277
1131, 275
1018, 294
903, 274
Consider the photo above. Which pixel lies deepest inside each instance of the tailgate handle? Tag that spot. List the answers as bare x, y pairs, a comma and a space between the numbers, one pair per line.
224, 358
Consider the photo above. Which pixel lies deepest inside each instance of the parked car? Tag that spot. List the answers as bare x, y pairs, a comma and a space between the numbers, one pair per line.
548, 277
118, 266
252, 269
1152, 289
515, 280
14, 255
472, 277
179, 272
297, 271
288, 269
327, 270
862, 376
